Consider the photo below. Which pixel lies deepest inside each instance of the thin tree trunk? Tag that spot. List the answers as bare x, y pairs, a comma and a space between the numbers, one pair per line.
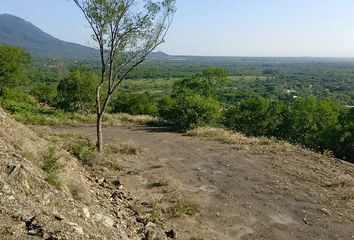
100, 112
99, 143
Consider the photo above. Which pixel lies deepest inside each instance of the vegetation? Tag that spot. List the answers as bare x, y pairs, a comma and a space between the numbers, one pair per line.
301, 101
77, 92
125, 34
12, 62
85, 151
51, 167
183, 208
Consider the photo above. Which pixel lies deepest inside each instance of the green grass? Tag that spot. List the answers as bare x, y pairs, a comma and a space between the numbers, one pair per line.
51, 166
85, 151
154, 215
183, 207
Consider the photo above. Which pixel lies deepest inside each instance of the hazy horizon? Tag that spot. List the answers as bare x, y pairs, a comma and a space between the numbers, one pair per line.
240, 28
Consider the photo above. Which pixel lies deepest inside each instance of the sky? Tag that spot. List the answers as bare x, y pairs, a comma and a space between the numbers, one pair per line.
283, 28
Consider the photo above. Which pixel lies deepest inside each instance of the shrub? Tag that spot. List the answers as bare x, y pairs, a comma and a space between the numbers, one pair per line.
255, 117
311, 122
77, 92
183, 208
85, 151
15, 101
136, 104
51, 167
192, 111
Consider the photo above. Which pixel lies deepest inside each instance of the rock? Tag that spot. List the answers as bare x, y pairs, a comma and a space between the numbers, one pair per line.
98, 217
153, 232
101, 181
6, 189
33, 228
108, 222
13, 170
325, 211
117, 183
86, 213
171, 234
57, 216
11, 198
76, 227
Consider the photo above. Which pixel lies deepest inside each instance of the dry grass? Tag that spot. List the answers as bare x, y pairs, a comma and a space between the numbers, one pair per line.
78, 190
256, 144
129, 148
117, 119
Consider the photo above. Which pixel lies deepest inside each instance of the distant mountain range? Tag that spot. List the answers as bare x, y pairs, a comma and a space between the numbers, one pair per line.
18, 32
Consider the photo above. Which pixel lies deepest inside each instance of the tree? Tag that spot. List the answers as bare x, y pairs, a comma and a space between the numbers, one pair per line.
204, 84
12, 62
311, 122
193, 100
193, 110
126, 31
255, 117
134, 103
77, 92
344, 147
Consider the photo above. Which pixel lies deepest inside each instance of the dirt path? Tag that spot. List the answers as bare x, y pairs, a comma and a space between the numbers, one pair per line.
239, 195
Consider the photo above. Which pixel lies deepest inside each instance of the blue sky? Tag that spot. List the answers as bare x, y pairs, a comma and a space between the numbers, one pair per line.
222, 27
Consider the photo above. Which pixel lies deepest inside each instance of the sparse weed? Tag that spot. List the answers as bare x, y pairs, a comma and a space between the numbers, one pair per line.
85, 151
183, 207
51, 167
126, 149
154, 215
159, 183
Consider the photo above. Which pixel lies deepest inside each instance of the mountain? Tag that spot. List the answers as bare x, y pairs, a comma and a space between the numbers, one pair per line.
18, 32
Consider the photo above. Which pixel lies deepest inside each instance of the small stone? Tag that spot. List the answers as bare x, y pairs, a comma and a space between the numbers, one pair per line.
11, 198
117, 183
86, 213
98, 217
108, 222
101, 181
153, 232
325, 211
76, 227
57, 216
171, 234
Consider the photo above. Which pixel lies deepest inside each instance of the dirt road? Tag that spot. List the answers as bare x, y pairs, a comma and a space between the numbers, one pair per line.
239, 194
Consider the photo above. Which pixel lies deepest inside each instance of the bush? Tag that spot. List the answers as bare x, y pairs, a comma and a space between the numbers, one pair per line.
77, 92
344, 147
15, 101
192, 111
85, 151
51, 167
311, 122
183, 208
135, 104
45, 93
255, 117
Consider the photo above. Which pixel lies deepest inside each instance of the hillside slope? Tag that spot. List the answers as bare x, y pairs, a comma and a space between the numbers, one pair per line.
30, 208
18, 32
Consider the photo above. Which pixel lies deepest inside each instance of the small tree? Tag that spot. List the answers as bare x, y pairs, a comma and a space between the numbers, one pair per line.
77, 91
126, 31
12, 62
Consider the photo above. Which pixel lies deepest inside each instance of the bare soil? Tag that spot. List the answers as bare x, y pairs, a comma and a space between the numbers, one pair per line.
240, 193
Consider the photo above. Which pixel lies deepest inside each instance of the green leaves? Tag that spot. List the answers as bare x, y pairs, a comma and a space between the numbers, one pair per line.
77, 92
12, 63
